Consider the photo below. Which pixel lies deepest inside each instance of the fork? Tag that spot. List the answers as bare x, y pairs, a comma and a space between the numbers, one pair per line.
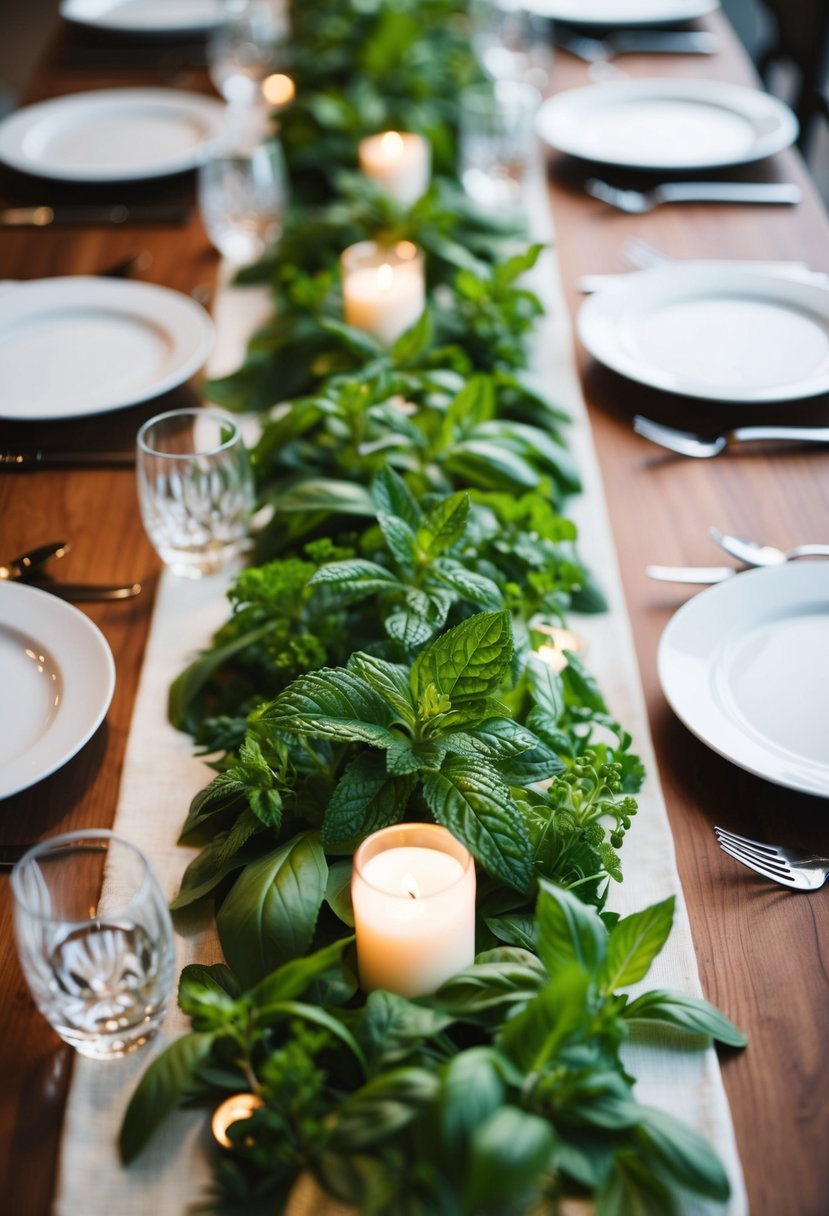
791, 867
686, 443
631, 42
637, 202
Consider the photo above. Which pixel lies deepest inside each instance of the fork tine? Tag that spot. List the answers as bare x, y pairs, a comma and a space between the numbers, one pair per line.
759, 845
760, 868
772, 861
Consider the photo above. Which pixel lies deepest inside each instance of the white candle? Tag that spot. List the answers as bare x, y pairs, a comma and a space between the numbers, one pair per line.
384, 291
400, 163
413, 893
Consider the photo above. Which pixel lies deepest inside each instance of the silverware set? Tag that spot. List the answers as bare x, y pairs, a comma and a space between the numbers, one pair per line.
29, 568
751, 553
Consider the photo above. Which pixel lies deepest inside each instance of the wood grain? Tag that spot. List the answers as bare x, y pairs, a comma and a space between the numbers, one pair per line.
762, 951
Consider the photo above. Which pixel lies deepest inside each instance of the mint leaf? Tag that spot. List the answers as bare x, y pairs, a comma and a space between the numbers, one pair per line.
366, 798
392, 496
445, 524
476, 807
468, 661
390, 680
355, 579
333, 703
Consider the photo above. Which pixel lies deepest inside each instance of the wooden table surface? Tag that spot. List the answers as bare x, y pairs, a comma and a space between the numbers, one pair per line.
763, 952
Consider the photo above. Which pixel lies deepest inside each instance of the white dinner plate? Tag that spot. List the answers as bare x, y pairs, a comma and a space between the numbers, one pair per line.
745, 665
57, 677
605, 14
111, 135
74, 346
144, 16
666, 125
715, 331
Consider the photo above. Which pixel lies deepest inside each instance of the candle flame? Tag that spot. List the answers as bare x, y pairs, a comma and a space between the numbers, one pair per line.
392, 145
406, 250
410, 887
278, 89
385, 277
553, 657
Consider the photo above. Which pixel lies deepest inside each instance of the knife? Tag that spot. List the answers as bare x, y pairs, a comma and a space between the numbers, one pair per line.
691, 574
87, 592
36, 458
29, 563
95, 213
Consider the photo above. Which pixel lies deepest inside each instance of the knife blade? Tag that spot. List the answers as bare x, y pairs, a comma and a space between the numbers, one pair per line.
95, 214
691, 574
37, 458
88, 592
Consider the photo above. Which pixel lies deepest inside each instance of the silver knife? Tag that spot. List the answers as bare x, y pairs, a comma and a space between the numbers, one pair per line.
691, 574
88, 592
94, 213
36, 458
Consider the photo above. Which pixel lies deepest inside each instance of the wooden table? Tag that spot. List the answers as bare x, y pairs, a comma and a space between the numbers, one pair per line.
763, 952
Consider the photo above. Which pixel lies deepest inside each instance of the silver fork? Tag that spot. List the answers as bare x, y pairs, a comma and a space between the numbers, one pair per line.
632, 42
637, 202
688, 444
791, 867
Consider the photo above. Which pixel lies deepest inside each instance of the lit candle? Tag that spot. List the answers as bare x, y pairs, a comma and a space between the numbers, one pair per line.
413, 893
552, 652
384, 290
400, 163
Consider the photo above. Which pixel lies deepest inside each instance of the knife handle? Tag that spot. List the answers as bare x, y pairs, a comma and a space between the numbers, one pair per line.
38, 459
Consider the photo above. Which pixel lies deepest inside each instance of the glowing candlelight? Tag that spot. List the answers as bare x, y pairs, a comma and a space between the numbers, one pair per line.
399, 162
384, 290
413, 892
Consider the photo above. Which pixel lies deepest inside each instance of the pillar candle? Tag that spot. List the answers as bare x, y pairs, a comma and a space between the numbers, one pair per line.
384, 291
400, 163
413, 892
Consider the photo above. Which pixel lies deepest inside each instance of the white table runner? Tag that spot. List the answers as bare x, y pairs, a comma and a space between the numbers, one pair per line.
161, 775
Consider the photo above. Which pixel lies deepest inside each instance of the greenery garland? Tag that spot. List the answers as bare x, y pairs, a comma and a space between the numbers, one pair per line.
380, 663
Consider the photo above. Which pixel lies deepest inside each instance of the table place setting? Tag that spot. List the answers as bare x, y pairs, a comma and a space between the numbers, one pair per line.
389, 819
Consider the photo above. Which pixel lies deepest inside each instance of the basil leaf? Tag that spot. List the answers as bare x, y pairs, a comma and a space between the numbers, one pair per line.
165, 1082
338, 891
634, 943
682, 1154
511, 1152
276, 1011
382, 1107
271, 911
476, 807
392, 496
534, 1035
633, 1187
295, 977
208, 869
391, 1027
685, 1012
568, 931
181, 710
471, 1090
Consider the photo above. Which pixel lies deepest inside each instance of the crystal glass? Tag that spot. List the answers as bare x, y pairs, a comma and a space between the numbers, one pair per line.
510, 42
95, 940
245, 47
195, 488
497, 140
243, 193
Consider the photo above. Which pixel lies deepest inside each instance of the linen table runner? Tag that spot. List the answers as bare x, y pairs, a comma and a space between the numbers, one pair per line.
161, 775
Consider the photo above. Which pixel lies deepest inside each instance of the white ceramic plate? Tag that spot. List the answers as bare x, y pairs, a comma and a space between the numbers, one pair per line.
57, 677
715, 331
605, 14
666, 125
77, 345
111, 135
745, 665
144, 16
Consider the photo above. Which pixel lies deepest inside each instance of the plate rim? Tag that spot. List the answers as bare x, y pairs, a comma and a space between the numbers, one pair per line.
16, 126
683, 89
604, 311
692, 9
68, 10
112, 291
803, 580
89, 647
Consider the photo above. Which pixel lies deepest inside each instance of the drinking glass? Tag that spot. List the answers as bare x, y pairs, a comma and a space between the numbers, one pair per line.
245, 47
95, 940
195, 488
497, 140
243, 194
511, 43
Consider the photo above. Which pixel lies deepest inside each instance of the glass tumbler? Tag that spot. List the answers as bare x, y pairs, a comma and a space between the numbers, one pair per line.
195, 489
510, 42
245, 47
243, 193
497, 141
95, 940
